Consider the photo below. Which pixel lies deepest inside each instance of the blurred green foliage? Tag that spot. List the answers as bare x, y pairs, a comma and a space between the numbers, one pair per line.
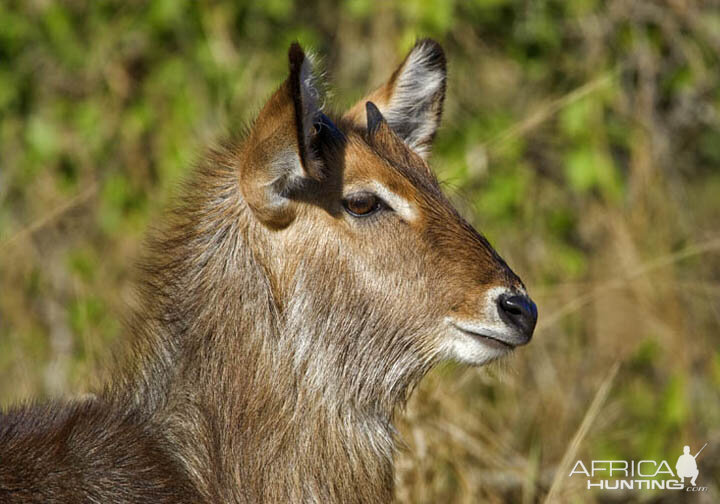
582, 137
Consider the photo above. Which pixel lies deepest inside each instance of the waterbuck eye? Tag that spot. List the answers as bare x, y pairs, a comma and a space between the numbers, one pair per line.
362, 204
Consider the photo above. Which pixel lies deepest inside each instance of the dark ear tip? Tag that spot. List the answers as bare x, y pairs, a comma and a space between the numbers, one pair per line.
434, 53
374, 117
296, 56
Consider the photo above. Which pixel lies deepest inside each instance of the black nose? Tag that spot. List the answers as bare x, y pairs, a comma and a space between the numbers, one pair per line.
520, 312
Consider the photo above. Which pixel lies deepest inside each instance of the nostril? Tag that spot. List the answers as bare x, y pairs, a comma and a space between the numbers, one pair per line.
511, 308
519, 311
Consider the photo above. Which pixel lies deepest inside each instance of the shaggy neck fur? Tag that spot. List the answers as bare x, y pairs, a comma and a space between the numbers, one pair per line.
243, 378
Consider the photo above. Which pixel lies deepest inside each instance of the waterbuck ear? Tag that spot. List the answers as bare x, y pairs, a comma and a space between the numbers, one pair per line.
412, 100
278, 158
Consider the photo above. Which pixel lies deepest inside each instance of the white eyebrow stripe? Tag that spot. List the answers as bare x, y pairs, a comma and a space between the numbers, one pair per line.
400, 205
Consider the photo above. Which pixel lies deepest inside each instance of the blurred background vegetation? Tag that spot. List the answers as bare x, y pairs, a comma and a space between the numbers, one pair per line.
582, 137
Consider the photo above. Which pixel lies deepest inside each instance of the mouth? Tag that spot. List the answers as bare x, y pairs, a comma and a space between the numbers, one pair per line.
487, 337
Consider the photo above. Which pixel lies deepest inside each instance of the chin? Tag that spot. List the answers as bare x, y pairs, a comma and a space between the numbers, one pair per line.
475, 351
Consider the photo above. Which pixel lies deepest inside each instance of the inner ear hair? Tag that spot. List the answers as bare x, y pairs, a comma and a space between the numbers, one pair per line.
412, 99
416, 102
304, 89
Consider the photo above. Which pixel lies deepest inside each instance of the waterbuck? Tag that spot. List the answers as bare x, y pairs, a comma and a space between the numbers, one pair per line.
309, 276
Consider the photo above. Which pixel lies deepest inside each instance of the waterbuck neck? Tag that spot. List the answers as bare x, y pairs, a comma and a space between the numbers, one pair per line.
220, 358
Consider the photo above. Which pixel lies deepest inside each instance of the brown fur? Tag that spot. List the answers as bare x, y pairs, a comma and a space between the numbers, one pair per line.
277, 335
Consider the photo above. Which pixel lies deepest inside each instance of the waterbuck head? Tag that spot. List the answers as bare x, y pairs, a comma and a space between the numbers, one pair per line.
374, 275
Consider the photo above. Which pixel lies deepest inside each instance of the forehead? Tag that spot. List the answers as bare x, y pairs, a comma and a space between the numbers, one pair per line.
396, 167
